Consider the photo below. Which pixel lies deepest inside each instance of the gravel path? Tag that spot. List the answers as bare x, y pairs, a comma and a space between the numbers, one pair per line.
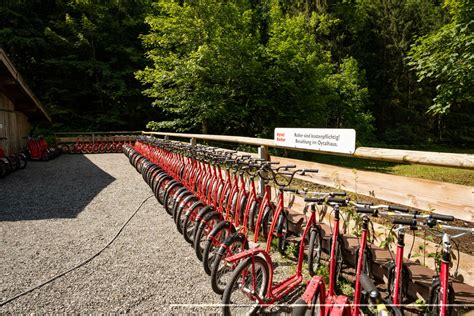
55, 214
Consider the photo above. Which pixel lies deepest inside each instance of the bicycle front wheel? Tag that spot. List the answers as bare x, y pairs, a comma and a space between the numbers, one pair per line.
247, 286
314, 251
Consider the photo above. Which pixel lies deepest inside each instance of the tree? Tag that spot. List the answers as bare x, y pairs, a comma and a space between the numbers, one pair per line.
231, 67
446, 57
79, 57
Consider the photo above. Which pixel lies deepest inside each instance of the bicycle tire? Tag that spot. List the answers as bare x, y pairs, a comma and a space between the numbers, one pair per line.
266, 221
253, 214
282, 232
366, 260
339, 260
203, 230
178, 202
300, 308
235, 285
243, 203
187, 203
174, 199
160, 187
23, 161
220, 270
172, 188
404, 280
189, 225
314, 250
215, 239
434, 300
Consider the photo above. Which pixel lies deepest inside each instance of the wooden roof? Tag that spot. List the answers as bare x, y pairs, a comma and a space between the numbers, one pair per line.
15, 88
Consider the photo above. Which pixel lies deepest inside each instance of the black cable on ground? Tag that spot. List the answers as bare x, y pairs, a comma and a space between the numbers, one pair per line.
81, 263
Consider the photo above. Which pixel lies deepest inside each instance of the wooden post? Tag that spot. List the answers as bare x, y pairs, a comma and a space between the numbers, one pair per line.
192, 141
262, 154
167, 137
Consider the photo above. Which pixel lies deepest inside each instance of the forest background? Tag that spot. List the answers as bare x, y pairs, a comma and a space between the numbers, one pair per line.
399, 72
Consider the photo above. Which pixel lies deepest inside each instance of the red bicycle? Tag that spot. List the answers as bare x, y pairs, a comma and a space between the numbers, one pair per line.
251, 283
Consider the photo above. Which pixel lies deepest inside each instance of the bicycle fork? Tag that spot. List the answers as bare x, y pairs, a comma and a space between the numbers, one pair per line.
360, 262
399, 266
444, 274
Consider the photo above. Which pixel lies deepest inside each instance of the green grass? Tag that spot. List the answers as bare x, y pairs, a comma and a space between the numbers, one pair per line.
450, 175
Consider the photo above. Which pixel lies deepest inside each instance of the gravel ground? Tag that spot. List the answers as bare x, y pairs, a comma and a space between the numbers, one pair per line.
55, 214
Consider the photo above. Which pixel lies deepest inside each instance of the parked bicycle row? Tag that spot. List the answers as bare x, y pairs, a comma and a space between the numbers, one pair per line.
11, 163
100, 145
211, 195
39, 149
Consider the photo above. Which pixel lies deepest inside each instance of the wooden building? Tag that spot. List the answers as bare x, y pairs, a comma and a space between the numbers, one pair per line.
19, 107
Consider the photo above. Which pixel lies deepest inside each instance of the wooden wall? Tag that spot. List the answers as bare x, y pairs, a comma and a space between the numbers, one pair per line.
14, 126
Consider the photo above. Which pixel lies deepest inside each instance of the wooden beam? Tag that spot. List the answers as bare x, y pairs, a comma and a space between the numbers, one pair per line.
465, 161
439, 197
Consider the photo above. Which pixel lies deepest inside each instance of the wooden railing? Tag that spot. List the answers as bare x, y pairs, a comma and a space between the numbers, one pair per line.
428, 195
71, 137
465, 161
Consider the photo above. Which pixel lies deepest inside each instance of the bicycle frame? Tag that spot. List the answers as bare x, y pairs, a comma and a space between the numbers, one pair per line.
360, 262
278, 291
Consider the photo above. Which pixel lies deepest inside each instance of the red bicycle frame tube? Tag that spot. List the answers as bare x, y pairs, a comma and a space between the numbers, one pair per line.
332, 261
278, 210
265, 202
360, 262
443, 277
398, 268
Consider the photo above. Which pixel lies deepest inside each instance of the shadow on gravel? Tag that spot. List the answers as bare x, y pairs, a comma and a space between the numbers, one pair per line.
59, 188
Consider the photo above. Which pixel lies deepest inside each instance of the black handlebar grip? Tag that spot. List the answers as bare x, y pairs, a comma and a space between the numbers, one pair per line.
367, 283
342, 193
403, 221
289, 190
398, 208
337, 200
311, 170
447, 218
309, 199
365, 210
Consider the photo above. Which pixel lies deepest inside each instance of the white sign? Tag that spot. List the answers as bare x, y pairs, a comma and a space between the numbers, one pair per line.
340, 140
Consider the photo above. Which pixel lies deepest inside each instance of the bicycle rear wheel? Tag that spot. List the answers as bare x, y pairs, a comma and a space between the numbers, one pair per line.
203, 230
249, 281
282, 232
221, 271
214, 241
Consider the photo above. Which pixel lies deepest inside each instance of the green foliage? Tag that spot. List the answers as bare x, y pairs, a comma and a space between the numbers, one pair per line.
446, 57
399, 72
79, 58
216, 69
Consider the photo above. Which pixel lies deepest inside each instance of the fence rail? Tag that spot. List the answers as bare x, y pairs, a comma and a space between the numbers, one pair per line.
464, 161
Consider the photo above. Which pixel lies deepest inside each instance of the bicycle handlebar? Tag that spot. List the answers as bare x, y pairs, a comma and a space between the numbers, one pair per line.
446, 218
329, 198
365, 210
286, 167
398, 208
